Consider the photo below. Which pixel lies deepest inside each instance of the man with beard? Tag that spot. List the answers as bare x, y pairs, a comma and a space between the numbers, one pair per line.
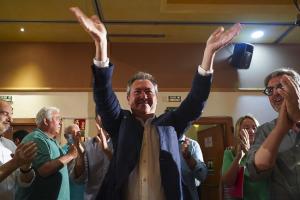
275, 155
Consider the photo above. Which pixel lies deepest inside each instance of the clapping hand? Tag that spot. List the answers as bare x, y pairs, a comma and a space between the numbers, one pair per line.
244, 140
185, 148
291, 94
73, 151
77, 143
25, 153
101, 138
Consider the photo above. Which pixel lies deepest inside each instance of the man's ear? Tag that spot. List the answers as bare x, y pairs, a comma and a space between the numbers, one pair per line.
17, 141
45, 121
127, 98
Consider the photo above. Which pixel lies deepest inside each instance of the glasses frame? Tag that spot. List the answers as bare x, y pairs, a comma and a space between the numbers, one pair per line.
270, 89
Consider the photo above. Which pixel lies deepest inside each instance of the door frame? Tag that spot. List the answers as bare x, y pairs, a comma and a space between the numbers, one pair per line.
225, 121
23, 121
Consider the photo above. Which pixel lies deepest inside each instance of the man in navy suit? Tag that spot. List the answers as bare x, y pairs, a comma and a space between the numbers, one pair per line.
146, 160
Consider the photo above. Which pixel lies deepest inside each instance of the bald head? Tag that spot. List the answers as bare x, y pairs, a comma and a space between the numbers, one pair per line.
5, 103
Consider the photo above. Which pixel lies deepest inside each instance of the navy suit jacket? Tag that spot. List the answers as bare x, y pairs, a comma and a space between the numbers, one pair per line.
127, 134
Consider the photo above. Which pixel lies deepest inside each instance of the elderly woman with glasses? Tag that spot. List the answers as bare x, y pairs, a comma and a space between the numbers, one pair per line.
234, 161
275, 154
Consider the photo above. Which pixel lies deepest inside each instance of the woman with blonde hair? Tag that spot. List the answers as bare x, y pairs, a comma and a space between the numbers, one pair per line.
234, 161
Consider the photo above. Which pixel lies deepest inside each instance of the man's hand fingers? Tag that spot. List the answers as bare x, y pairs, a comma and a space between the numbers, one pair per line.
77, 12
98, 127
218, 31
231, 33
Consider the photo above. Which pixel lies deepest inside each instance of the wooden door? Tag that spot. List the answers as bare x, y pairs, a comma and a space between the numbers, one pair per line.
212, 144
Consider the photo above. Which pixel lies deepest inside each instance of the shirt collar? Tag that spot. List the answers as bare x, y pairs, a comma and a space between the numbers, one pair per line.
182, 138
149, 120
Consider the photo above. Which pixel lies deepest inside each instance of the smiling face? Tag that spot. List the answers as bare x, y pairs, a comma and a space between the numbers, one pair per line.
250, 126
275, 99
54, 125
5, 116
142, 99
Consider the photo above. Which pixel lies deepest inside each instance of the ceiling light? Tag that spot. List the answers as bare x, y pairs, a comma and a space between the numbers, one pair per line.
22, 29
257, 34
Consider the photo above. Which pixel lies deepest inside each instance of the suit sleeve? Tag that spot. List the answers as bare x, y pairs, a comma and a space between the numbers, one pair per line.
107, 104
192, 106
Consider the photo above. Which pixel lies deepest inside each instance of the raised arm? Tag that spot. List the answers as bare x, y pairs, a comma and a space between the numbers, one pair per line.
96, 29
106, 101
291, 94
192, 106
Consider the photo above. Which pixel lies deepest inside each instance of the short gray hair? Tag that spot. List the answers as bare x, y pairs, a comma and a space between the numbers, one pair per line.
68, 129
45, 113
283, 71
141, 76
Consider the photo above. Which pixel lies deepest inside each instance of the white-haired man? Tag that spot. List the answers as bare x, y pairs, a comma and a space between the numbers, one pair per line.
52, 180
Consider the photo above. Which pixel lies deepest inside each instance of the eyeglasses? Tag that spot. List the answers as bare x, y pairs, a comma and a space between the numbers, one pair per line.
269, 90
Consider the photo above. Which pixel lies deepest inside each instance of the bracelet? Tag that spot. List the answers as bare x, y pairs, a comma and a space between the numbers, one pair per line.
26, 171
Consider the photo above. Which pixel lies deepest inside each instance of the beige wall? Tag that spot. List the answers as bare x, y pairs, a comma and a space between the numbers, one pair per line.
71, 104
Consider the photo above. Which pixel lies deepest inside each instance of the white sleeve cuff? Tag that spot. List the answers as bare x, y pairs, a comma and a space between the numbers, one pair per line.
101, 64
203, 72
